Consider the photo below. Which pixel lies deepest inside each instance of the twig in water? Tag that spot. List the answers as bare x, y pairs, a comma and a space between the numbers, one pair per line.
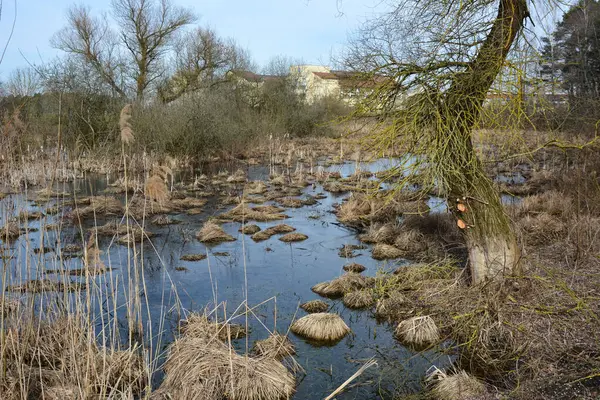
358, 373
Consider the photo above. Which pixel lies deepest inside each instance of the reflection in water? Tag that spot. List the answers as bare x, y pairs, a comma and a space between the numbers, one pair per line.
276, 275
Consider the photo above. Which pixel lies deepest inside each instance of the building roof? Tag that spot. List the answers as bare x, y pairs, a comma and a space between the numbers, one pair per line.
252, 77
349, 79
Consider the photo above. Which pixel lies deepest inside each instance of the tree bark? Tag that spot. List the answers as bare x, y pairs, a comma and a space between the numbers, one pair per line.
491, 242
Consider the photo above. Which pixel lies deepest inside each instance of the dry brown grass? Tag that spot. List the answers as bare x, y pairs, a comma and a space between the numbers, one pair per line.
197, 368
457, 386
293, 237
321, 327
243, 212
315, 306
276, 346
377, 233
11, 230
193, 257
100, 205
354, 268
213, 233
291, 202
551, 202
198, 325
340, 286
271, 231
249, 229
60, 357
382, 251
418, 331
255, 187
359, 299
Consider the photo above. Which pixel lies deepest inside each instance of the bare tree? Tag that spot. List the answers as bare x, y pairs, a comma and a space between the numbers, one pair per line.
147, 29
442, 59
202, 58
132, 57
91, 40
23, 82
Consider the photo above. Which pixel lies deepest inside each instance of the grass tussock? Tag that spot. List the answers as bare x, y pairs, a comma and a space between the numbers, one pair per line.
354, 268
200, 326
243, 212
197, 368
456, 386
418, 331
340, 286
276, 346
359, 299
193, 257
293, 237
377, 233
315, 306
271, 231
321, 327
249, 229
382, 251
213, 233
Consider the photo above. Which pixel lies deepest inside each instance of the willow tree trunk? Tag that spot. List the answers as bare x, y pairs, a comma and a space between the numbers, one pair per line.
493, 251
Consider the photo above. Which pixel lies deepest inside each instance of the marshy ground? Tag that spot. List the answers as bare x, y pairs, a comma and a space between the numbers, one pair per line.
251, 243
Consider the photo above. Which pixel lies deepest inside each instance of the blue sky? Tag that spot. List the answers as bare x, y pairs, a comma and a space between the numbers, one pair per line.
311, 30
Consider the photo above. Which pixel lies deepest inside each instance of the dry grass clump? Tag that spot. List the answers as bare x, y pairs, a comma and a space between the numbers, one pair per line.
391, 306
276, 346
291, 202
382, 251
238, 176
100, 205
293, 237
255, 187
340, 286
458, 386
335, 187
11, 230
361, 210
541, 228
354, 268
552, 202
27, 215
269, 209
274, 230
200, 326
213, 233
59, 356
347, 250
278, 180
197, 368
249, 229
359, 299
385, 233
243, 213
193, 257
188, 202
315, 306
418, 331
321, 327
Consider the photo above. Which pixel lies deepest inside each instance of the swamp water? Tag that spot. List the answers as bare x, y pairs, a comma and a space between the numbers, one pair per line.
276, 277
